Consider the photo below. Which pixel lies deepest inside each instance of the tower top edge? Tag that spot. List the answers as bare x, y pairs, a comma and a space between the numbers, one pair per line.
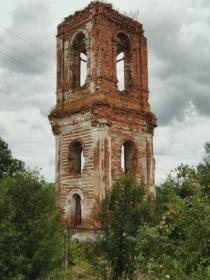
96, 7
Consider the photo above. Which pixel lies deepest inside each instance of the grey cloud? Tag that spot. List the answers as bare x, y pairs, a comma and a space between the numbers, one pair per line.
179, 50
36, 127
43, 102
3, 131
22, 121
24, 75
174, 95
32, 21
203, 104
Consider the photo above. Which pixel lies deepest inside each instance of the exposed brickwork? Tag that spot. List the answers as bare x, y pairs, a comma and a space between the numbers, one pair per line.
97, 115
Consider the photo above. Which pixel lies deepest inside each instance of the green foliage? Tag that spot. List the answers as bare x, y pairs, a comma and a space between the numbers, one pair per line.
81, 261
8, 164
60, 274
177, 247
204, 170
123, 210
138, 240
31, 238
75, 252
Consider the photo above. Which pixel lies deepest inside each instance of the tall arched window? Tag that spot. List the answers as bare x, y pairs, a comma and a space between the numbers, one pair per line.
76, 158
77, 213
79, 66
128, 156
75, 210
123, 61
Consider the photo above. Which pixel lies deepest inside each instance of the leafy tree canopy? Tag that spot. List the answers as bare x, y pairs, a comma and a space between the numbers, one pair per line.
31, 237
8, 164
123, 210
173, 243
177, 245
204, 170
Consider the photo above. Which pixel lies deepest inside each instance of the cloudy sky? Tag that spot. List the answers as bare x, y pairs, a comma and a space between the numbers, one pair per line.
178, 35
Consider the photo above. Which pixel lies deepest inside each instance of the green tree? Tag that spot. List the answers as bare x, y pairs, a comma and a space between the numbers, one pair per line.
122, 211
31, 237
204, 170
177, 247
8, 164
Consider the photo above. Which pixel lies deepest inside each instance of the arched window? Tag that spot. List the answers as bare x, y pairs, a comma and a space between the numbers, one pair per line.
77, 209
128, 156
79, 66
123, 61
76, 158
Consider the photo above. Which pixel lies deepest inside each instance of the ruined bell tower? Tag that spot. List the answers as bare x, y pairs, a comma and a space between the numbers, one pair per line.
102, 121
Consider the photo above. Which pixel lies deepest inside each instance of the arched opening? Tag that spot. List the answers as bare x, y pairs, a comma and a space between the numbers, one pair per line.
123, 61
76, 158
128, 156
76, 209
79, 66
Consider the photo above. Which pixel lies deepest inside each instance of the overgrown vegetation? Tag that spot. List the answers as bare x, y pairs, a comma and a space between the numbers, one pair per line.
138, 239
31, 236
8, 164
177, 245
123, 211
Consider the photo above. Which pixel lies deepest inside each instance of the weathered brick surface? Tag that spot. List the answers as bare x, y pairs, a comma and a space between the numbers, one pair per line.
97, 115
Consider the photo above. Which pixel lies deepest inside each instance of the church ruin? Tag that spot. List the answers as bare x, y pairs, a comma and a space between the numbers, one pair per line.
102, 121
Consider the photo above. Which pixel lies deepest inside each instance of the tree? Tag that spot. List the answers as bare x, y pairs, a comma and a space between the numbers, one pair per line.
204, 170
122, 211
177, 247
8, 164
31, 237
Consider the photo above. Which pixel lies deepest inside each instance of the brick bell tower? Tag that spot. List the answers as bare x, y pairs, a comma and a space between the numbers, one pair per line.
102, 121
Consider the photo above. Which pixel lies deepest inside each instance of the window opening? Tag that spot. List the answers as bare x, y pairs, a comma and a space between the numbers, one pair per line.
83, 68
123, 158
120, 71
123, 61
82, 160
127, 156
76, 158
79, 66
77, 213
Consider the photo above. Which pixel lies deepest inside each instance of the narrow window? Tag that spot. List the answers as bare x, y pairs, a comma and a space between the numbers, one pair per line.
82, 160
123, 61
79, 65
76, 215
120, 71
83, 68
123, 158
77, 210
128, 156
76, 158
